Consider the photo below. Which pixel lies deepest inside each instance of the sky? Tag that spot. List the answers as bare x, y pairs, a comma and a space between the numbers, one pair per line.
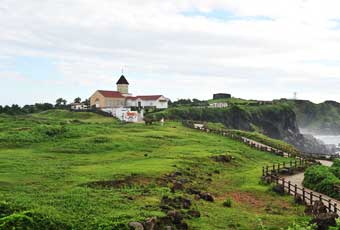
253, 49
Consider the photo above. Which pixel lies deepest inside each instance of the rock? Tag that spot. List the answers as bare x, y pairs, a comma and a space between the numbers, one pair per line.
136, 226
193, 191
207, 197
194, 213
197, 197
186, 203
150, 223
182, 226
319, 208
177, 185
279, 189
175, 216
325, 220
176, 202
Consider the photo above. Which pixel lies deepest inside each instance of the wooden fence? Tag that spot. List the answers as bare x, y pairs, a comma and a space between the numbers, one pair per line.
244, 140
272, 174
257, 145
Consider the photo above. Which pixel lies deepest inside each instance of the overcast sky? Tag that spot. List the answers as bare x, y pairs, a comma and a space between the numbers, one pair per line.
259, 49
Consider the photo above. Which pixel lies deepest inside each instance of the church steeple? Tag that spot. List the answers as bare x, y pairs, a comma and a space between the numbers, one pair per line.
122, 85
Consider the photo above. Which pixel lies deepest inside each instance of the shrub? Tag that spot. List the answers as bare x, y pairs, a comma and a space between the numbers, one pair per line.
322, 179
228, 203
31, 220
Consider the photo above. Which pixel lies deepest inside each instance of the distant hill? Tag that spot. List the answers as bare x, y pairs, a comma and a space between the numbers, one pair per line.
322, 118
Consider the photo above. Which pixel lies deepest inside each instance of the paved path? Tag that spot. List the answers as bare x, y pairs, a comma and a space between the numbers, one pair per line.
298, 179
269, 148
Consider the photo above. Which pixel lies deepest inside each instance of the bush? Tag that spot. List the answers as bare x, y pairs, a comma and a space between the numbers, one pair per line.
30, 220
228, 203
322, 179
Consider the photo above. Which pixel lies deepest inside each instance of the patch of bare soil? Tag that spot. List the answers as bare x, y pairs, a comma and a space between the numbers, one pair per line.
129, 181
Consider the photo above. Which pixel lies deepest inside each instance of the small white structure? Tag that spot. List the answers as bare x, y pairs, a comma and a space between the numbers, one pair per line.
198, 126
125, 114
218, 105
153, 101
78, 106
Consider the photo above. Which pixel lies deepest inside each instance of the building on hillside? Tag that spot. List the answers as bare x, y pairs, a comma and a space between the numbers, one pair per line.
218, 105
120, 102
221, 96
78, 106
122, 98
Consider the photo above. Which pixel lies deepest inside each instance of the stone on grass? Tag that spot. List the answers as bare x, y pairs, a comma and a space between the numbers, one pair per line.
136, 226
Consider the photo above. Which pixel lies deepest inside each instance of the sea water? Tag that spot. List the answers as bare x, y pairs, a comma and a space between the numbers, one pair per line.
327, 139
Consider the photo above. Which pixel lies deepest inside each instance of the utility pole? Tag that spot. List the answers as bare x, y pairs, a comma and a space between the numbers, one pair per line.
295, 96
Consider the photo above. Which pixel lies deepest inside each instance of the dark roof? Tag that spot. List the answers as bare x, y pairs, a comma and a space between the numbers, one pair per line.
113, 94
122, 81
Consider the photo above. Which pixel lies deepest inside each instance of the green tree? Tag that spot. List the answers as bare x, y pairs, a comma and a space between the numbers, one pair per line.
77, 100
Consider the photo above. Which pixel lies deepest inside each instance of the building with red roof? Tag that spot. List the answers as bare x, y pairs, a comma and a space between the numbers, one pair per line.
121, 98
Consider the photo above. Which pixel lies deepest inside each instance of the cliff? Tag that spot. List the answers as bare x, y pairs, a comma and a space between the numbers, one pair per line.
276, 121
323, 118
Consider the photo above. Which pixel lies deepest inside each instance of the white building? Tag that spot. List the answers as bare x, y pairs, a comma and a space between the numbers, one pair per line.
120, 103
122, 98
218, 105
78, 106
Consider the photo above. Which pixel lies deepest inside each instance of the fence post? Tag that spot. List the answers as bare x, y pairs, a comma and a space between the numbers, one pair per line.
330, 205
320, 197
295, 164
288, 187
263, 171
335, 208
311, 197
295, 190
303, 194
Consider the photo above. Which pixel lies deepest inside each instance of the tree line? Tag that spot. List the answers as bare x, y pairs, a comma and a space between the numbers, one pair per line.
60, 103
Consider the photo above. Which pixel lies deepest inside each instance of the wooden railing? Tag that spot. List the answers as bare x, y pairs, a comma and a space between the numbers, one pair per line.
272, 174
247, 141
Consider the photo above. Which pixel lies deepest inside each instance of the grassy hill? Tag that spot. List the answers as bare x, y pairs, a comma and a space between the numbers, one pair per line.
83, 171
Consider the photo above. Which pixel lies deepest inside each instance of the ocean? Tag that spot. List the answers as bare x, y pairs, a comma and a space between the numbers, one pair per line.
335, 140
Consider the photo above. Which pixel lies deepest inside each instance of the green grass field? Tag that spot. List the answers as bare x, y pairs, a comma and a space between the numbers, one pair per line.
56, 162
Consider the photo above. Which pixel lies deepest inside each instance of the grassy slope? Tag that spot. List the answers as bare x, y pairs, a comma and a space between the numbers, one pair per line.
47, 172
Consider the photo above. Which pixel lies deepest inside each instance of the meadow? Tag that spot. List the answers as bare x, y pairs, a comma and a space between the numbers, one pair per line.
68, 170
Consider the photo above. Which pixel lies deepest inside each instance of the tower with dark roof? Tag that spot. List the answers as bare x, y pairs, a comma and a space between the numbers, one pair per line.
122, 85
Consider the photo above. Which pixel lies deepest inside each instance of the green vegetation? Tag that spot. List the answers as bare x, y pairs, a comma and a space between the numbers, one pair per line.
65, 170
324, 179
319, 118
233, 101
228, 202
